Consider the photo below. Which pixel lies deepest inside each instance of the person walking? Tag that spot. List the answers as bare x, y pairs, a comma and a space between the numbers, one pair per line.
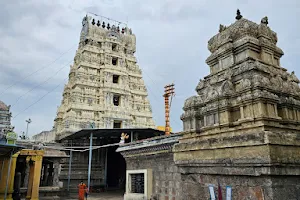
82, 189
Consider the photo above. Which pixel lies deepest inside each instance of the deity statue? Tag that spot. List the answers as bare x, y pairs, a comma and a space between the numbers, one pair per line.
238, 15
264, 20
11, 136
221, 28
123, 137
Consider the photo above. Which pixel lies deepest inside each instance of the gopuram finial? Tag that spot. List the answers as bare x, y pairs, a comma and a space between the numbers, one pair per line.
221, 28
264, 20
238, 15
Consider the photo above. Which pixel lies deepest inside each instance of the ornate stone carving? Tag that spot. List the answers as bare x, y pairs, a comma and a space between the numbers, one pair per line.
221, 28
92, 89
227, 88
264, 20
241, 28
293, 78
249, 78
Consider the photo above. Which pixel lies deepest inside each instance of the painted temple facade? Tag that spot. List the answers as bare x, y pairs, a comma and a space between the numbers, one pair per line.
105, 87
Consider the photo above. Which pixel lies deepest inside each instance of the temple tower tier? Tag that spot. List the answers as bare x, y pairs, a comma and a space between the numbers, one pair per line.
105, 87
242, 129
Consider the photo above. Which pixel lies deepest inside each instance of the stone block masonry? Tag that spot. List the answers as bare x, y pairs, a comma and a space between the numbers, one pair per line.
156, 154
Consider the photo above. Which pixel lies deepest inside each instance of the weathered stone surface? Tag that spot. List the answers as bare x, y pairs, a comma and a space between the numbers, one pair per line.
156, 154
243, 127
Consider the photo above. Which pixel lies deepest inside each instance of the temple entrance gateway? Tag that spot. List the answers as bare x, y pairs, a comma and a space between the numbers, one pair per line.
108, 167
116, 169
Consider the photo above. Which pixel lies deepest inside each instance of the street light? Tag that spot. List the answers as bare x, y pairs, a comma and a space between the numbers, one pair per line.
28, 122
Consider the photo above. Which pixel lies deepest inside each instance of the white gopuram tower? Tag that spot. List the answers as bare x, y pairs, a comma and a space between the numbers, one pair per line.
105, 87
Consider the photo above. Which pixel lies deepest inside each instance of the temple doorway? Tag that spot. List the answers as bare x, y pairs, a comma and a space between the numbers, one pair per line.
116, 169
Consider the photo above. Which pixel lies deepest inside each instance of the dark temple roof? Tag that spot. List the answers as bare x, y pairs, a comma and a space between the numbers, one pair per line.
100, 133
7, 149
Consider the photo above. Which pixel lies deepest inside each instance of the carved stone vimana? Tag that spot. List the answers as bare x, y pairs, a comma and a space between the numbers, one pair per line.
105, 85
244, 124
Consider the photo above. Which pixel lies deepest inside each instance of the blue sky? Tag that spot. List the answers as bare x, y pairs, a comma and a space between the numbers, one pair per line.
172, 38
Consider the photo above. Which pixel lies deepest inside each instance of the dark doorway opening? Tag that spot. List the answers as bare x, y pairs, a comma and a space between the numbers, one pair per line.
116, 100
116, 78
117, 124
47, 173
116, 169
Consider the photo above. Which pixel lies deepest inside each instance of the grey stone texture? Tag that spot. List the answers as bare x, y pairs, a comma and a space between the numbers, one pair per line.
166, 175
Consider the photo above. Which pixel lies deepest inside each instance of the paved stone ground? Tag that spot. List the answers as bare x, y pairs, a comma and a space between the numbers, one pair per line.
112, 195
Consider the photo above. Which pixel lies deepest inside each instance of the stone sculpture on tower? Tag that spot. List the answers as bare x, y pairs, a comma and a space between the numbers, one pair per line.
105, 86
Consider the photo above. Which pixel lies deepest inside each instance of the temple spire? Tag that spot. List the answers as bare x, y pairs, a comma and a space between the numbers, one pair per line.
238, 15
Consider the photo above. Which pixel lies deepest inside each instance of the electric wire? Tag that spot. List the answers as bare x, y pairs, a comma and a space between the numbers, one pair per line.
40, 69
49, 78
156, 98
40, 99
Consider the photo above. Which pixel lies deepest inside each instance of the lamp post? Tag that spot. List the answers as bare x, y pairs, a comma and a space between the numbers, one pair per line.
28, 122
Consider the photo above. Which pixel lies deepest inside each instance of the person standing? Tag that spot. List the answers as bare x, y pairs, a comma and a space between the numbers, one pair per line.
81, 190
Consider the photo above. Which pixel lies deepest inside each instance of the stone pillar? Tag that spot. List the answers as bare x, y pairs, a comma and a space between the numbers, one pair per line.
35, 162
242, 112
205, 120
56, 172
30, 181
50, 173
276, 110
261, 108
4, 168
26, 178
285, 113
46, 174
36, 177
11, 177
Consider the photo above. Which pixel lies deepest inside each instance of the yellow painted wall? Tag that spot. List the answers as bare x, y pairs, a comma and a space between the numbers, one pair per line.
162, 128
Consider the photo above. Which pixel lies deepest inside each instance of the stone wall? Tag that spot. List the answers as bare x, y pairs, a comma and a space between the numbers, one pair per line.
156, 154
173, 180
45, 136
195, 187
166, 176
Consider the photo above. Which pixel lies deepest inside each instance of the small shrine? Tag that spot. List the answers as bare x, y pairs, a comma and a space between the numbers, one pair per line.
240, 131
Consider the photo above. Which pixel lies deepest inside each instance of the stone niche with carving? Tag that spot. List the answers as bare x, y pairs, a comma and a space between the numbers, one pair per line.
244, 123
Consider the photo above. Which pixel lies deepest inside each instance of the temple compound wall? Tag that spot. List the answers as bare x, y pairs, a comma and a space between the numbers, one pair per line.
242, 129
154, 155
